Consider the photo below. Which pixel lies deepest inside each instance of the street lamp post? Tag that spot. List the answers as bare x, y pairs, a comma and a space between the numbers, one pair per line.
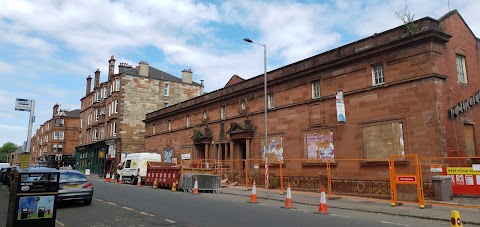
265, 103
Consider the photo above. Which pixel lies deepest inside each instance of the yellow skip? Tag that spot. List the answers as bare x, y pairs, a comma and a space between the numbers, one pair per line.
455, 220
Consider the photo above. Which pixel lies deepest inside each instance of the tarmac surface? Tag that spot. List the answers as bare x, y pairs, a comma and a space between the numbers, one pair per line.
470, 214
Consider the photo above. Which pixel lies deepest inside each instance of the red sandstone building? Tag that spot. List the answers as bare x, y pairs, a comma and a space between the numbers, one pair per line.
112, 112
403, 93
55, 140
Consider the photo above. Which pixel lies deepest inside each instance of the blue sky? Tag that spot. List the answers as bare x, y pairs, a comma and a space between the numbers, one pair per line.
49, 47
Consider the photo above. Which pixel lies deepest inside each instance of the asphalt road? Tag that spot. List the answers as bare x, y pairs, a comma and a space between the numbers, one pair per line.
127, 205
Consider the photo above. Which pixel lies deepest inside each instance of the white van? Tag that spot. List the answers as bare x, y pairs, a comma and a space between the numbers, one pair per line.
135, 163
4, 165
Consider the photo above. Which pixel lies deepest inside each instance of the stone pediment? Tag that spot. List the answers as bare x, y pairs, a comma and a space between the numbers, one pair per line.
241, 130
202, 136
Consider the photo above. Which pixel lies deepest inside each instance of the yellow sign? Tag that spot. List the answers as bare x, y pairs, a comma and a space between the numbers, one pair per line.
25, 163
134, 164
101, 154
462, 171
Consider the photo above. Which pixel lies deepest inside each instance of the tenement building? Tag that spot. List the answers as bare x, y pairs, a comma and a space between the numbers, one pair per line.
112, 112
54, 142
397, 92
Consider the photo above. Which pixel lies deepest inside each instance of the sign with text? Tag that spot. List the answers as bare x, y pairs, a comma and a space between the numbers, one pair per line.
23, 105
406, 179
462, 171
340, 106
25, 163
436, 168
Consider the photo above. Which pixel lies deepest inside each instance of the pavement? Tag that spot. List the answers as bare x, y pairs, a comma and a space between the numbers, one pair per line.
436, 211
4, 197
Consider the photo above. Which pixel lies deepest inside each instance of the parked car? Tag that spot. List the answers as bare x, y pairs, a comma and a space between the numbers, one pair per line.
74, 185
5, 175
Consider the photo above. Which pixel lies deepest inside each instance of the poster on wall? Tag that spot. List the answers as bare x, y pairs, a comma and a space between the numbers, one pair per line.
274, 151
469, 180
340, 106
35, 207
168, 155
319, 145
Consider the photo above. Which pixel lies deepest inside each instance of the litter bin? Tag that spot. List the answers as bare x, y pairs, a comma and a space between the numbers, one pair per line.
442, 188
33, 196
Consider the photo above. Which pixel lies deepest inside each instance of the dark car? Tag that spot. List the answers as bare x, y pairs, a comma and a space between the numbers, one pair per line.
75, 186
5, 175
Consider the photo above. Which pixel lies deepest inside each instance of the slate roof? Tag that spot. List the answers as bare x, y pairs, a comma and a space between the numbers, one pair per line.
155, 73
73, 113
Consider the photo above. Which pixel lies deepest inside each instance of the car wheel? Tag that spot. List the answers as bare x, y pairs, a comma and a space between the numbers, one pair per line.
87, 201
134, 180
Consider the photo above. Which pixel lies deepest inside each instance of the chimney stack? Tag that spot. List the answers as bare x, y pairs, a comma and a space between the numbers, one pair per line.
187, 76
143, 71
201, 87
89, 84
111, 67
97, 79
122, 67
55, 110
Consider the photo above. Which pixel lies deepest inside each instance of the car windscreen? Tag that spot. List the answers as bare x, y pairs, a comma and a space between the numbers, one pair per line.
72, 176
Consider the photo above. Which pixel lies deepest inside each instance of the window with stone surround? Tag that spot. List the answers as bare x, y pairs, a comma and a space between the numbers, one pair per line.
315, 89
461, 69
222, 112
271, 101
380, 140
378, 76
102, 133
117, 85
188, 120
169, 125
116, 106
166, 90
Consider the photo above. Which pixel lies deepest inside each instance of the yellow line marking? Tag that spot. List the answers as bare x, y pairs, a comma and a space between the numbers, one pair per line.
127, 208
58, 222
168, 220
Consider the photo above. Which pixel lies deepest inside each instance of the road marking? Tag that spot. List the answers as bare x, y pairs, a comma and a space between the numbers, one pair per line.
168, 220
393, 223
112, 203
151, 215
99, 200
61, 224
127, 208
343, 216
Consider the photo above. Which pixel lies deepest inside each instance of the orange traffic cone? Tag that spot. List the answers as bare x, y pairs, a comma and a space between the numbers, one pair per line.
112, 178
253, 197
107, 177
322, 209
120, 179
195, 187
139, 181
288, 201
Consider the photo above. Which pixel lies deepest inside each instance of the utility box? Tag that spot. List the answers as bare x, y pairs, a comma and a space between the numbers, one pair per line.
442, 188
33, 196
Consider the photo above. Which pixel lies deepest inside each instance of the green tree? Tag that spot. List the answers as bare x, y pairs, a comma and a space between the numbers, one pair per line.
6, 149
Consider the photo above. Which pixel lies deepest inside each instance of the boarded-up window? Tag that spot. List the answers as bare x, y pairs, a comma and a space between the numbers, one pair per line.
382, 140
469, 141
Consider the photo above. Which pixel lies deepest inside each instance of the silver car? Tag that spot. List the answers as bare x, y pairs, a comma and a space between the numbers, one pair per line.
75, 186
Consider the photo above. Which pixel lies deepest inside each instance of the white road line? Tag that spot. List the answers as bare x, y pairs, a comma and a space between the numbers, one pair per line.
343, 216
168, 220
151, 215
61, 224
112, 203
127, 208
393, 223
99, 200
